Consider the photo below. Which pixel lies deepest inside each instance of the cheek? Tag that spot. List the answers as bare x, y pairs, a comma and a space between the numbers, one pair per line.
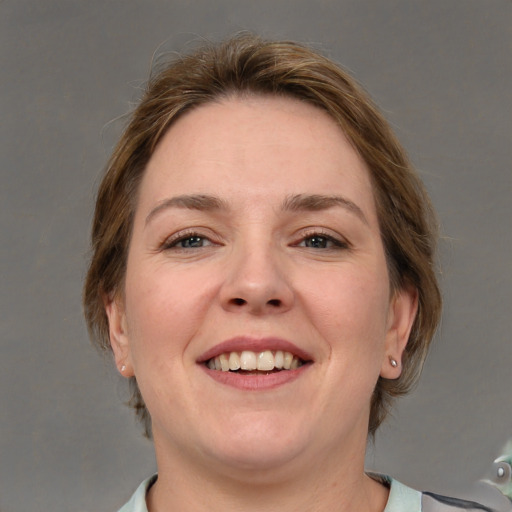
351, 308
163, 311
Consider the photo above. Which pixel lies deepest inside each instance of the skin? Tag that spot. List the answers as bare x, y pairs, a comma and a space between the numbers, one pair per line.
317, 278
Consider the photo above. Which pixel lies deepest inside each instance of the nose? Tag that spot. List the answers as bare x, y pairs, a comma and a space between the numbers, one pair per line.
257, 282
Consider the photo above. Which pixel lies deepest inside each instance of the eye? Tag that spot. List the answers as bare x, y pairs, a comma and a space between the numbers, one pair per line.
322, 241
192, 242
317, 242
182, 241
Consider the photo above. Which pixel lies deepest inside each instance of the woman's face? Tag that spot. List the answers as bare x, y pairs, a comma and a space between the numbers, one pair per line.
256, 242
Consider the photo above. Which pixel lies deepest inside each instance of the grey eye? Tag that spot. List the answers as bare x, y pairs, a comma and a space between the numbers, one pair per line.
317, 242
192, 241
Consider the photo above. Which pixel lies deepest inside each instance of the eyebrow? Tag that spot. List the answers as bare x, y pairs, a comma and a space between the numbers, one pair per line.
318, 202
199, 202
293, 203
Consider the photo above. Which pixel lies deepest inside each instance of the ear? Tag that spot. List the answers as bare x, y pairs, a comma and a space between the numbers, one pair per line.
119, 340
402, 312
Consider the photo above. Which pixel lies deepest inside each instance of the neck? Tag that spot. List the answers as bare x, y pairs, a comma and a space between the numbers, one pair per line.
334, 482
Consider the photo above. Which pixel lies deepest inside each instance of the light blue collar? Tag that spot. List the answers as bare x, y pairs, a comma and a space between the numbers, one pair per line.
401, 498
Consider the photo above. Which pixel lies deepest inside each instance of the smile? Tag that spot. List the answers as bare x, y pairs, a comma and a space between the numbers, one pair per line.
255, 364
249, 361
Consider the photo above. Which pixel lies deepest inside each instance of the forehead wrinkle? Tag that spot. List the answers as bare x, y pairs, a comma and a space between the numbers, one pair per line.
318, 202
200, 202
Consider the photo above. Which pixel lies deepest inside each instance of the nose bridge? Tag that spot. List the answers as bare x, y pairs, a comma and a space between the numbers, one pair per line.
257, 279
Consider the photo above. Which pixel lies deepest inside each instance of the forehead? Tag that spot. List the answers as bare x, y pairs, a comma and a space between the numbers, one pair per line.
256, 147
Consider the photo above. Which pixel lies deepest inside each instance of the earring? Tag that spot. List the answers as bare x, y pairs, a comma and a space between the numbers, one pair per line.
393, 362
123, 368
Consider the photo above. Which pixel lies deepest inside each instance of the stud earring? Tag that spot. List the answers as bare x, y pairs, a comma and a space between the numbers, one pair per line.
123, 368
393, 362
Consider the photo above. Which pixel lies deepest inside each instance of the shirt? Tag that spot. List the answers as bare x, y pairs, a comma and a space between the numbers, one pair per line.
401, 499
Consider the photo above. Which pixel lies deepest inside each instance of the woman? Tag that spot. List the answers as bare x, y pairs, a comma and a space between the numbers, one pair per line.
263, 272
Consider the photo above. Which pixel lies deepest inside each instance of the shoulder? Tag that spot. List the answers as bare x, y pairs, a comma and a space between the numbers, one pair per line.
435, 502
404, 499
137, 502
401, 499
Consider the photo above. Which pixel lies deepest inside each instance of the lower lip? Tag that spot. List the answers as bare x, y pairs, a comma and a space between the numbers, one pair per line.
256, 382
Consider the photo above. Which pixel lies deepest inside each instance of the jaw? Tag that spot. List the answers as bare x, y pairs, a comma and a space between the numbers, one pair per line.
266, 456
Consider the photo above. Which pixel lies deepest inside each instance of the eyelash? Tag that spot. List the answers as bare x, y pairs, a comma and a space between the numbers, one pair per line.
174, 241
337, 243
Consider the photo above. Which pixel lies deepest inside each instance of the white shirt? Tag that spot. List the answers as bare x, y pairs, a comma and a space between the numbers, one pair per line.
401, 499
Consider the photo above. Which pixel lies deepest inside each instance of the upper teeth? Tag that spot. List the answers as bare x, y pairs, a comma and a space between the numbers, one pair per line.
248, 360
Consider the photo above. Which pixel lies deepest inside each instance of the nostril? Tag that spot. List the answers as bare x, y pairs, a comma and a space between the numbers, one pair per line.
271, 303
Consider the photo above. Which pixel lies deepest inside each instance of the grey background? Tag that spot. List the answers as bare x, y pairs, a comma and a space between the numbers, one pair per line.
441, 70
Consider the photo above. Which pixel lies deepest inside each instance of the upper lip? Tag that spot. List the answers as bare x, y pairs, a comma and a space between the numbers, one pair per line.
241, 343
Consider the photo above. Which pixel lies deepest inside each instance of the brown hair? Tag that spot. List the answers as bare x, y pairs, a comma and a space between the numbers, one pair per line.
246, 64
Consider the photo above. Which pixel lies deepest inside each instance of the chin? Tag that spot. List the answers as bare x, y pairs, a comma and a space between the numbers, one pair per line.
256, 443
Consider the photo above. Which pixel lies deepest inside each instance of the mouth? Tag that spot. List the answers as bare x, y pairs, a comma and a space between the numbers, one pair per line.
249, 362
